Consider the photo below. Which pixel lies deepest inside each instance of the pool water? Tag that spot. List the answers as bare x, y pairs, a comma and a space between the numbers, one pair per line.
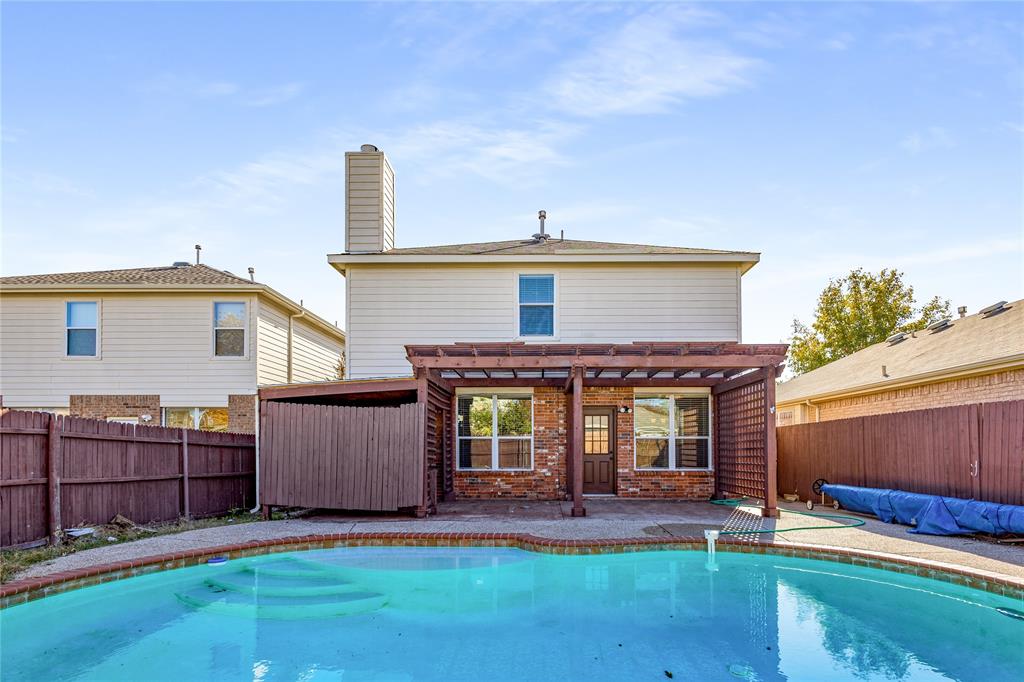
505, 614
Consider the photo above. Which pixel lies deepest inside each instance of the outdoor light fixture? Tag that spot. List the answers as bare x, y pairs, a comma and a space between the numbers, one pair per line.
625, 410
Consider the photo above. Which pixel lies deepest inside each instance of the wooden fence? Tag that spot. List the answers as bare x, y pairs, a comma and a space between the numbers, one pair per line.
971, 451
59, 472
331, 457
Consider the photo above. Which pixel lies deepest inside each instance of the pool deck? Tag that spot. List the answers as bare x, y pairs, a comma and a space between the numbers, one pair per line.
607, 519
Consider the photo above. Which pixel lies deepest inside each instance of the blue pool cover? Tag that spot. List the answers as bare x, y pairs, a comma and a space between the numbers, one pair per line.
930, 514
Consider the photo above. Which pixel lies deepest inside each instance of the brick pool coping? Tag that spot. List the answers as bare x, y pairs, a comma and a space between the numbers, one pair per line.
29, 589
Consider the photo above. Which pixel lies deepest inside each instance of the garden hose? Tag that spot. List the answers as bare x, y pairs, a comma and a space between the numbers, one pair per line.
735, 502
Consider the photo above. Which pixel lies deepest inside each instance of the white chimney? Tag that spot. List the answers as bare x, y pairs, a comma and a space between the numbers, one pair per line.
369, 201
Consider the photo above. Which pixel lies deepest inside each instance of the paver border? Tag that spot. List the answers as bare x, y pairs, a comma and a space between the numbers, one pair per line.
30, 589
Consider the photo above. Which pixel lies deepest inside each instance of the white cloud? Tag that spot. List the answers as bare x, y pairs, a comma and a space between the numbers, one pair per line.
180, 86
647, 67
501, 154
933, 137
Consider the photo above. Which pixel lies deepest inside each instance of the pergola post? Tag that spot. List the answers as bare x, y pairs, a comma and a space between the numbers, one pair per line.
771, 483
577, 441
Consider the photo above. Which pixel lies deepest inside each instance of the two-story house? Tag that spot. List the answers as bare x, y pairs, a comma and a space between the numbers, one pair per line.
182, 345
554, 368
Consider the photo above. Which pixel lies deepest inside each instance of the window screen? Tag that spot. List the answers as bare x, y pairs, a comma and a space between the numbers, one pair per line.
536, 305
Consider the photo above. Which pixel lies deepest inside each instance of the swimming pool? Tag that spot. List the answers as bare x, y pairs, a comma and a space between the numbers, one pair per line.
406, 613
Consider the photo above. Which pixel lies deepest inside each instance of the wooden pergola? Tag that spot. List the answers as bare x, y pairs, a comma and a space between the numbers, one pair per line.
741, 378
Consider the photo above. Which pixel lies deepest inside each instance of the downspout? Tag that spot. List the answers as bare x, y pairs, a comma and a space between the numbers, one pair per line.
817, 410
291, 325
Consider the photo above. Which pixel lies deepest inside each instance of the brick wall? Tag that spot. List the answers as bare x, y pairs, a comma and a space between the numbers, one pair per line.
106, 406
242, 413
1008, 385
548, 480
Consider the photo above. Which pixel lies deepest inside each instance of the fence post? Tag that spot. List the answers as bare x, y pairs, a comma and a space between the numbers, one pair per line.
185, 507
53, 469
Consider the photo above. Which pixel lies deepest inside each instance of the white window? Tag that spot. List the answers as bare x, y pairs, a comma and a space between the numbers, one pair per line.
202, 418
495, 432
536, 305
82, 329
672, 431
229, 330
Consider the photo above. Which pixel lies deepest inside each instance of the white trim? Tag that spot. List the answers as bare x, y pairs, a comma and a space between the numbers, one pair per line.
671, 395
245, 330
554, 306
99, 325
494, 437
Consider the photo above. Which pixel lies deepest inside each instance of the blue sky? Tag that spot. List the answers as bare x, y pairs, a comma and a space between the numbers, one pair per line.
827, 136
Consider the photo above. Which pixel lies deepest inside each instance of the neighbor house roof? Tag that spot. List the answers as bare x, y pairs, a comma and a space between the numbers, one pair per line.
166, 275
970, 344
561, 250
156, 279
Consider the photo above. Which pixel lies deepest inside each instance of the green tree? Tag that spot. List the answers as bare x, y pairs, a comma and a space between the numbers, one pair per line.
857, 311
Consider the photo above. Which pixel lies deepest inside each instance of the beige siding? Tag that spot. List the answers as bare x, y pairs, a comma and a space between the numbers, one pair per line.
272, 345
315, 354
149, 344
391, 307
370, 205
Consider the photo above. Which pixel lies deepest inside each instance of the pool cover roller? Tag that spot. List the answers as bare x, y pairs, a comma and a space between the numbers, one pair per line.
930, 514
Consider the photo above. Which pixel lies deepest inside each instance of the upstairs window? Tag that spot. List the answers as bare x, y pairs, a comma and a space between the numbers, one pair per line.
229, 330
495, 432
536, 305
673, 432
82, 325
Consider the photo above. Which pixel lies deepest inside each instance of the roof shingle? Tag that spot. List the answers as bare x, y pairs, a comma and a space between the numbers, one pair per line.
185, 275
524, 247
971, 340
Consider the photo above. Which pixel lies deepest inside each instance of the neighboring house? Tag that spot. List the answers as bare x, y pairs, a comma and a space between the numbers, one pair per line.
653, 333
973, 359
183, 345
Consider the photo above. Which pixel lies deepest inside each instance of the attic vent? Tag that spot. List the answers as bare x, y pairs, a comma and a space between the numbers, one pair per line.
993, 309
180, 264
896, 338
940, 325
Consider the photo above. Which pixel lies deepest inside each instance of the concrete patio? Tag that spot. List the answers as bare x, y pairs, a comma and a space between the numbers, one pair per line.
609, 518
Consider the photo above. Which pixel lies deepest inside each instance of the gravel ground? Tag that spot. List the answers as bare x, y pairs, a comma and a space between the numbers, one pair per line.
606, 519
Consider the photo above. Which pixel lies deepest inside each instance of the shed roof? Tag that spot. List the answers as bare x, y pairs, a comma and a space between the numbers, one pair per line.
971, 342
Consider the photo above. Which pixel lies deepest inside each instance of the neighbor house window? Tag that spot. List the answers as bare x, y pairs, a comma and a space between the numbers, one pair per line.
673, 431
229, 330
202, 418
495, 432
82, 323
536, 305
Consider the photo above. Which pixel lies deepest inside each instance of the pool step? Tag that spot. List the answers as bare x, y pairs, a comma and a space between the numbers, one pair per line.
221, 601
290, 568
281, 586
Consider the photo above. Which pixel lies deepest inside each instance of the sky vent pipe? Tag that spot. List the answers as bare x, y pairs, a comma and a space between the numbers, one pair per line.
252, 274
198, 249
542, 235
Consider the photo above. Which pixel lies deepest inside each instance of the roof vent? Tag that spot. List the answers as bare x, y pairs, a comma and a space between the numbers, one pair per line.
368, 148
180, 264
541, 236
896, 338
939, 325
993, 309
